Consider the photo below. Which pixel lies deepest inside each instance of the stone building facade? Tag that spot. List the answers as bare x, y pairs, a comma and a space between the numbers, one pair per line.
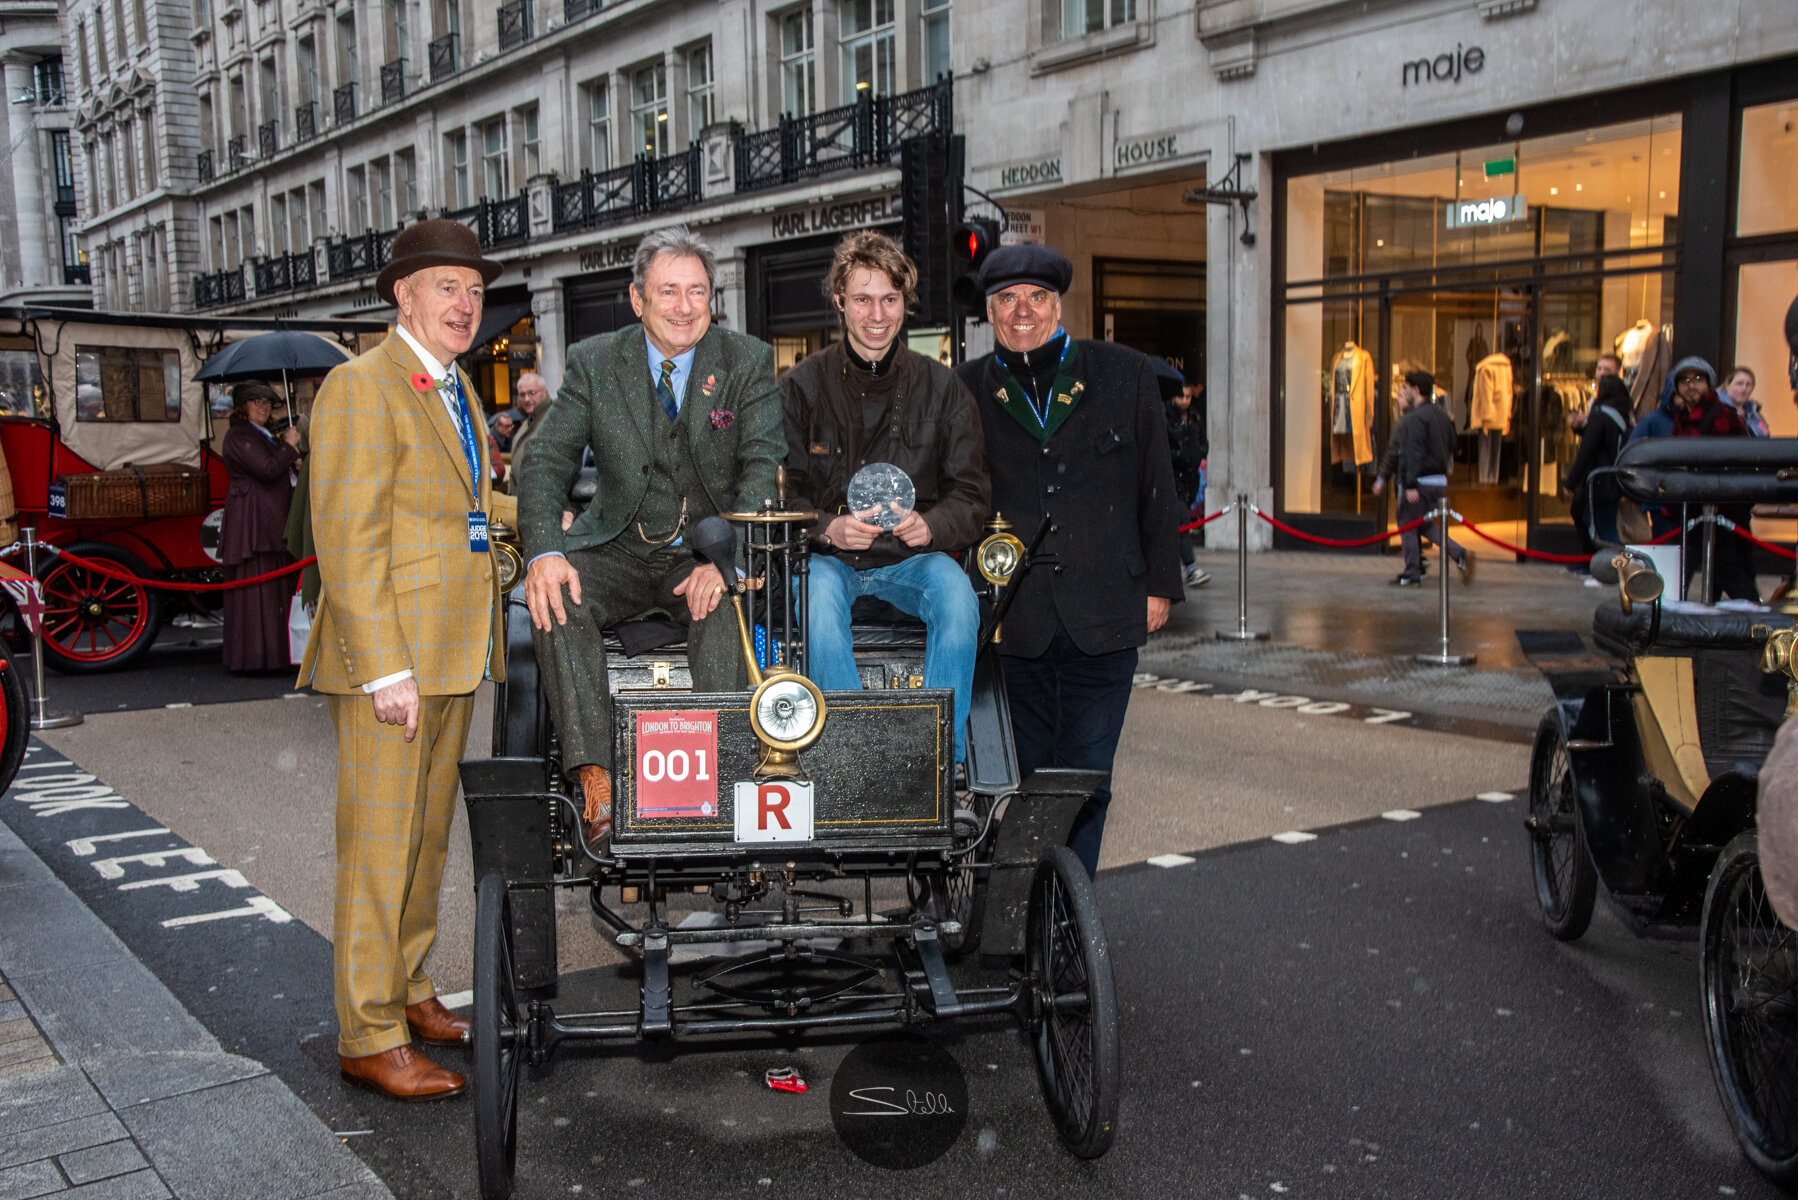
40, 262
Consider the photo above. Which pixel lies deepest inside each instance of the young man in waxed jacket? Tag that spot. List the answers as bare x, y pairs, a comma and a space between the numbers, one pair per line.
1425, 441
870, 399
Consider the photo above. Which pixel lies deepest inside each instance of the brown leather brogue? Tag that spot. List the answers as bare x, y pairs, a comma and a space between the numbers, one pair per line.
433, 1023
596, 814
402, 1073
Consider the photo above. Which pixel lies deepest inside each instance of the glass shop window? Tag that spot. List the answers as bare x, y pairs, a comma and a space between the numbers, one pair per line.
1767, 196
22, 391
127, 383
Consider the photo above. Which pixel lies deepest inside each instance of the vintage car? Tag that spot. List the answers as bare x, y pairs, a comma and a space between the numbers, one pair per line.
827, 828
1645, 775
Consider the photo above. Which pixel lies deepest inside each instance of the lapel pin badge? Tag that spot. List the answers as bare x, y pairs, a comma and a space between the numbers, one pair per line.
710, 385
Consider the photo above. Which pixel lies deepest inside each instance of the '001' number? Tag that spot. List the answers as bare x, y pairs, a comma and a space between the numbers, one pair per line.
673, 765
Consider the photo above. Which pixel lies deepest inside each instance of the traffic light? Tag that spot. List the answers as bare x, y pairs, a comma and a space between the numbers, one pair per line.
974, 239
924, 207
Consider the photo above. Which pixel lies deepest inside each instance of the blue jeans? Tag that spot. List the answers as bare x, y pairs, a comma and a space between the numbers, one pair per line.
930, 587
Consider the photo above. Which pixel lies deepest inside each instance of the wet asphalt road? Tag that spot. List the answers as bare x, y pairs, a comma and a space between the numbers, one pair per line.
1372, 1013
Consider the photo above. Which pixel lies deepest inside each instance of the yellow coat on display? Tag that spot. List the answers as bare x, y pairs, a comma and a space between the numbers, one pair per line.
1360, 400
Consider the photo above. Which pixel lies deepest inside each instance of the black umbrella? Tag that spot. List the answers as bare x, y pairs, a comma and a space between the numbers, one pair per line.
1171, 381
283, 351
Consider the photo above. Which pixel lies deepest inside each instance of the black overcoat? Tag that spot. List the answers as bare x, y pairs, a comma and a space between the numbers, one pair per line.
1106, 480
256, 502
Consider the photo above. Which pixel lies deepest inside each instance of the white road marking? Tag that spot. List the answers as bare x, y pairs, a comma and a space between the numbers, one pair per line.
84, 846
114, 868
1401, 814
457, 999
1495, 797
228, 876
259, 906
1386, 715
1170, 860
293, 695
180, 704
1294, 837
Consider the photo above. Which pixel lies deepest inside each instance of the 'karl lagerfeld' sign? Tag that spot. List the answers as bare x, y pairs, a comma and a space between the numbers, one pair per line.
822, 218
1444, 67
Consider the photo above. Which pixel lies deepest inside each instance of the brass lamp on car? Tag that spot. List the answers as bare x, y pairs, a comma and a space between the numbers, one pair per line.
1637, 581
999, 552
508, 562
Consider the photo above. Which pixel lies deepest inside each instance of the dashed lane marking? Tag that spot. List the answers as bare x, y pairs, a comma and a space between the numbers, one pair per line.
1401, 814
1495, 797
1171, 860
1294, 837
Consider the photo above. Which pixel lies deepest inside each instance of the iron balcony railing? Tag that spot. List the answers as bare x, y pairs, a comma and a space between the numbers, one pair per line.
285, 273
445, 56
305, 121
268, 138
220, 287
343, 103
360, 255
237, 150
853, 137
393, 81
77, 273
577, 10
496, 222
648, 185
203, 161
514, 24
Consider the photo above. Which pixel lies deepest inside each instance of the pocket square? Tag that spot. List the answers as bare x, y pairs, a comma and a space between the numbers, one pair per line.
723, 418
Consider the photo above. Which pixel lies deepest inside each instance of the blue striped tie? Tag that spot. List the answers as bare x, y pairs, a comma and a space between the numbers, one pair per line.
665, 389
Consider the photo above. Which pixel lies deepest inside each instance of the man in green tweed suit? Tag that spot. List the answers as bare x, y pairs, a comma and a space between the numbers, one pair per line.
685, 422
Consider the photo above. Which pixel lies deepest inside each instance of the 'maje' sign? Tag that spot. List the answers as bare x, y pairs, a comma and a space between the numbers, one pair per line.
1499, 210
1445, 67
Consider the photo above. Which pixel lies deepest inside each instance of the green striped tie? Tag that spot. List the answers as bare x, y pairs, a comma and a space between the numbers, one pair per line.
665, 389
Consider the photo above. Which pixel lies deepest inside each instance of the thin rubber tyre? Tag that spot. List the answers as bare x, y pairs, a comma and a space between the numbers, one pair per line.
1072, 1005
1566, 880
1750, 979
498, 1042
15, 718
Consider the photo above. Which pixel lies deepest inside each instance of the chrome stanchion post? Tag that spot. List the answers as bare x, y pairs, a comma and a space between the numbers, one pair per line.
1707, 596
1442, 657
1242, 632
41, 717
1679, 592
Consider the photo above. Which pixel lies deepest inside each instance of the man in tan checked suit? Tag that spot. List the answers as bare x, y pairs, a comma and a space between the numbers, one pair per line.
408, 625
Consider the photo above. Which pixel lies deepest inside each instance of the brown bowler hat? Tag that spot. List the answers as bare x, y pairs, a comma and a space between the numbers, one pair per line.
439, 242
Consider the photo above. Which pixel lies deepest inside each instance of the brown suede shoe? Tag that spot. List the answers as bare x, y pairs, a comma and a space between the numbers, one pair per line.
433, 1023
402, 1073
596, 816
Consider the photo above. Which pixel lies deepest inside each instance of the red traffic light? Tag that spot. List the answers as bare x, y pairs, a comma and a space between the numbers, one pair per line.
975, 239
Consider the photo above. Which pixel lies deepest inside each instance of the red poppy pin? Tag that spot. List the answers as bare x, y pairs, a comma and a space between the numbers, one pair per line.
423, 382
710, 385
723, 418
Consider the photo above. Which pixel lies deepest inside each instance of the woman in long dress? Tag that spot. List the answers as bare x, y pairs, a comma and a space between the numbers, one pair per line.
260, 467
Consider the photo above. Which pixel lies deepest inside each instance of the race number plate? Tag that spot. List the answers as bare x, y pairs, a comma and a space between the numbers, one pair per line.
677, 764
774, 810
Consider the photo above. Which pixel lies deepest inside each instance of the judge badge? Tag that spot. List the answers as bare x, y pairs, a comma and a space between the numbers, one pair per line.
477, 532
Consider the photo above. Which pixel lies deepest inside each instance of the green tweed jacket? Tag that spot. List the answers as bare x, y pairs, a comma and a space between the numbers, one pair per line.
606, 401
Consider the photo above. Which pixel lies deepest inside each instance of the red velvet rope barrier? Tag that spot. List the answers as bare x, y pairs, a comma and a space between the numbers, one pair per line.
1769, 547
88, 564
1283, 527
1537, 554
1222, 512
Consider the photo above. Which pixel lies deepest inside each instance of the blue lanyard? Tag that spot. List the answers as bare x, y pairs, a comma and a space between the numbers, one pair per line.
1042, 411
465, 427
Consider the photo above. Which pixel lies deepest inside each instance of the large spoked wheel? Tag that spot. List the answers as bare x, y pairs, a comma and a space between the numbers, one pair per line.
963, 897
1750, 974
498, 1041
1566, 880
1072, 1007
15, 718
93, 622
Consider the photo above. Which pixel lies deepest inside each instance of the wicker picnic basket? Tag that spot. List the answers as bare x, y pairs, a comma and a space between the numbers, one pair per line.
152, 490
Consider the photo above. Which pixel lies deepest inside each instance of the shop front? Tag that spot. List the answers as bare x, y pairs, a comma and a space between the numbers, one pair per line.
1505, 255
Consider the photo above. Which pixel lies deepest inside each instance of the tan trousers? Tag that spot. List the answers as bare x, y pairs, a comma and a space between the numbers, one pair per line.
395, 802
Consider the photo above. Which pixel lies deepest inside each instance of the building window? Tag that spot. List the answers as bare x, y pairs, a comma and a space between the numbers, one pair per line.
599, 126
46, 80
798, 64
112, 171
355, 212
1767, 198
380, 176
346, 48
308, 61
315, 199
405, 180
81, 45
141, 17
936, 40
699, 88
867, 49
246, 218
530, 143
649, 108
127, 383
1081, 17
207, 130
277, 224
297, 239
128, 147
457, 159
493, 160
152, 175
118, 28
100, 43
271, 91
202, 15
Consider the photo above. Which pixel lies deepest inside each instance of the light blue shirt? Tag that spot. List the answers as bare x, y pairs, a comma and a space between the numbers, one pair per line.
683, 365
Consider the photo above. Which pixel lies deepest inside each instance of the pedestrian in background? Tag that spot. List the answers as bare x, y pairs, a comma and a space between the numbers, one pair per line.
503, 426
1424, 448
532, 400
1189, 446
252, 540
1739, 391
1594, 501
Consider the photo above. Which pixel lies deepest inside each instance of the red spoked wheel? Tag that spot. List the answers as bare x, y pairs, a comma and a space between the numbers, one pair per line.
92, 622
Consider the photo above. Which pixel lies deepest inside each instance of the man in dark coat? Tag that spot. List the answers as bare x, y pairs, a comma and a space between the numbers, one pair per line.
684, 423
260, 468
869, 399
1594, 501
1074, 433
1424, 446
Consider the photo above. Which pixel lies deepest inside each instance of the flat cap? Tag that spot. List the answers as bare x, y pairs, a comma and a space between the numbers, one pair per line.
1026, 262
